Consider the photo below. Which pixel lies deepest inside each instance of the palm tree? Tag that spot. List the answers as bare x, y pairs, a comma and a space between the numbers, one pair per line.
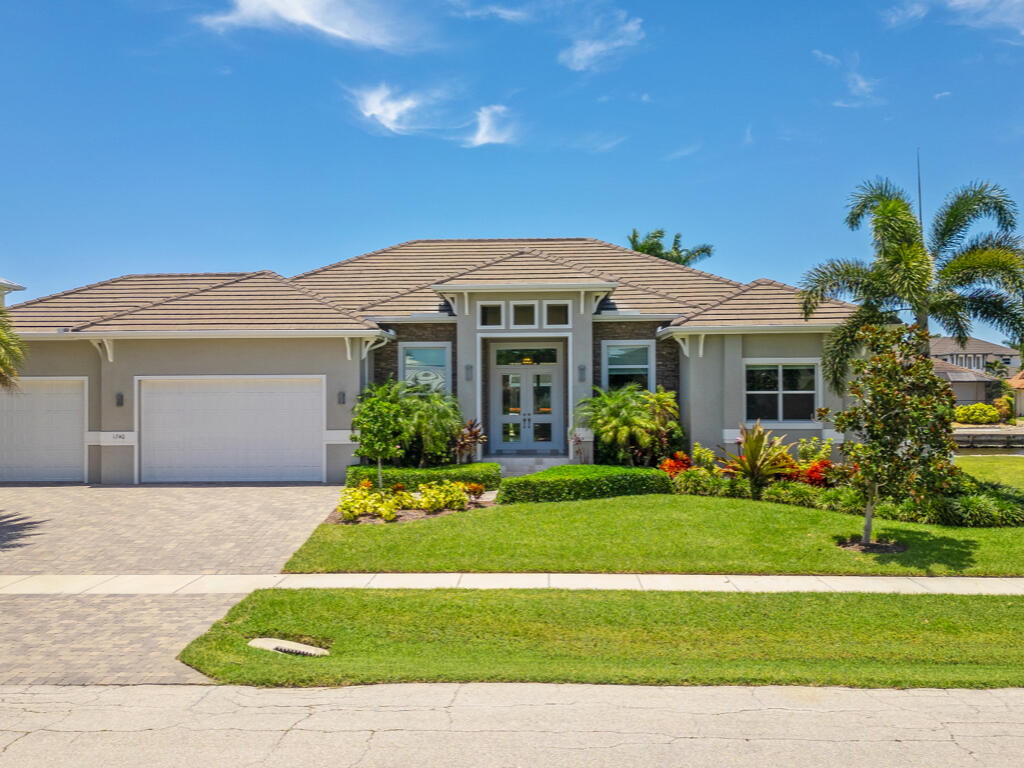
12, 353
652, 244
620, 418
997, 368
950, 278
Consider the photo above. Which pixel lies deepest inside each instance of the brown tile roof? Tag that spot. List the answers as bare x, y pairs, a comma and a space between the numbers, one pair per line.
946, 345
1016, 381
951, 372
261, 301
765, 303
92, 302
533, 267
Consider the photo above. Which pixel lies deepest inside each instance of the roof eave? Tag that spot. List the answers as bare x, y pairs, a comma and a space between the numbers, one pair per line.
683, 330
217, 334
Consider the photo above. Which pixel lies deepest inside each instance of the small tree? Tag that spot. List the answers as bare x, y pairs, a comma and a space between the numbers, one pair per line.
12, 353
903, 417
378, 424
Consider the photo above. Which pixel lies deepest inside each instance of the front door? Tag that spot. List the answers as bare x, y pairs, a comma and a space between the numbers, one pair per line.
527, 395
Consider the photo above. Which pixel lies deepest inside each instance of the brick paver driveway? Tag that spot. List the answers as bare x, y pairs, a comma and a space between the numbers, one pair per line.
83, 639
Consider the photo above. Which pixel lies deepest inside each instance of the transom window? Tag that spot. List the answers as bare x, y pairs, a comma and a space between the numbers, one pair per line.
781, 391
627, 362
526, 356
557, 314
524, 314
425, 364
492, 315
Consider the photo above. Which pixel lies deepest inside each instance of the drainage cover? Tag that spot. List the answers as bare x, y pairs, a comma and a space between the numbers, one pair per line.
286, 646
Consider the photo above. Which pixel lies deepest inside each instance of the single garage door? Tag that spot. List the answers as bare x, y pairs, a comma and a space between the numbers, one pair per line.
231, 429
42, 431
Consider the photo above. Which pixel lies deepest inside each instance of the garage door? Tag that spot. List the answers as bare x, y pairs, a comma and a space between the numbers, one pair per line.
42, 431
231, 429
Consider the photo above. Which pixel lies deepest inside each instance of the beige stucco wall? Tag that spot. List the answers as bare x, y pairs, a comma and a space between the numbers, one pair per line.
194, 357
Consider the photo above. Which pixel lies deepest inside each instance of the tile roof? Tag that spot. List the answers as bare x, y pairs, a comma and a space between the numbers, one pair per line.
93, 302
532, 267
261, 301
1017, 381
765, 302
951, 372
946, 345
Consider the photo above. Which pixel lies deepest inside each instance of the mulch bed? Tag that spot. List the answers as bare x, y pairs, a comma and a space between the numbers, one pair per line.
874, 548
402, 515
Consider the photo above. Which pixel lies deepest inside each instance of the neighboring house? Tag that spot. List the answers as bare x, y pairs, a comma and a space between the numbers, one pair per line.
251, 376
975, 354
6, 286
1017, 384
969, 386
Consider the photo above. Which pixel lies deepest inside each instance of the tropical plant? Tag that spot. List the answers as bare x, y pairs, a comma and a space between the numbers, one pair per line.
378, 425
12, 353
762, 457
703, 457
977, 413
950, 278
433, 422
438, 496
652, 244
470, 436
997, 367
638, 425
903, 415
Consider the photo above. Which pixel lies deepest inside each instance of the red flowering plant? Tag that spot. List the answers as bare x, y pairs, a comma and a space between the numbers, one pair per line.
818, 473
676, 463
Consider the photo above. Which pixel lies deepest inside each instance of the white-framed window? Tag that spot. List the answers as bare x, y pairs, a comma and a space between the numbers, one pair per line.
557, 314
426, 363
490, 314
781, 390
522, 314
627, 362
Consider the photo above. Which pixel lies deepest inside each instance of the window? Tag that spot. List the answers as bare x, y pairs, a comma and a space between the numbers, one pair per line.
425, 364
781, 391
627, 362
557, 314
524, 314
526, 356
492, 315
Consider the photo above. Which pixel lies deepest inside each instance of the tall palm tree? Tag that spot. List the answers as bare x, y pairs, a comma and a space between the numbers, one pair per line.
12, 353
652, 244
948, 277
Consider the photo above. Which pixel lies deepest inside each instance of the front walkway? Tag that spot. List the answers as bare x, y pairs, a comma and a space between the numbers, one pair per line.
503, 725
198, 584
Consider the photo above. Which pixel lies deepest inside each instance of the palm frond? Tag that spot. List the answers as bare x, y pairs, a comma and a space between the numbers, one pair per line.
697, 253
842, 345
835, 279
950, 311
986, 262
12, 353
868, 196
963, 207
1006, 313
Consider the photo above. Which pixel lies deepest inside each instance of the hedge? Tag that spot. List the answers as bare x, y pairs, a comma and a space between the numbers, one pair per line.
583, 481
486, 473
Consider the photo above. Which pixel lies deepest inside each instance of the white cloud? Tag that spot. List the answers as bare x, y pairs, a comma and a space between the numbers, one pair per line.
689, 149
598, 143
904, 13
942, 95
492, 127
385, 107
989, 13
860, 85
608, 35
748, 136
503, 12
363, 22
826, 58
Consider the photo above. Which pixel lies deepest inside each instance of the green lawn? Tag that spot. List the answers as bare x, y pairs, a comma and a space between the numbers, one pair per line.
1000, 469
655, 534
378, 636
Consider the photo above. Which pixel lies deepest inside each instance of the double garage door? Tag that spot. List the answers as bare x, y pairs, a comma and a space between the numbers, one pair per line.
189, 430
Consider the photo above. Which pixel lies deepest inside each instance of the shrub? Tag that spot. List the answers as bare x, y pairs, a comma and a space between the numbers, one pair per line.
792, 492
485, 473
814, 449
761, 457
844, 499
361, 501
676, 463
1004, 405
702, 482
583, 481
703, 457
979, 413
632, 425
438, 496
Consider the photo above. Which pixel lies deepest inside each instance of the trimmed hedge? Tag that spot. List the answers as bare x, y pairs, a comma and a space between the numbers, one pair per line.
486, 473
583, 481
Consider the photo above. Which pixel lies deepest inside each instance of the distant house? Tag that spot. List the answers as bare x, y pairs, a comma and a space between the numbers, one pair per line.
1017, 382
975, 354
969, 386
6, 286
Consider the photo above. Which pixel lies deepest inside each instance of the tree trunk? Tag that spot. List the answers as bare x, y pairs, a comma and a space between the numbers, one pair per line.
921, 319
869, 512
380, 474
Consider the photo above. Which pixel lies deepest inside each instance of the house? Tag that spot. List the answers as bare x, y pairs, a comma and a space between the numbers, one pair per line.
976, 354
6, 286
969, 386
252, 376
1017, 384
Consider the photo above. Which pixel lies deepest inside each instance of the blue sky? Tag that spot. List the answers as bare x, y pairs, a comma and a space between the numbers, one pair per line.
174, 135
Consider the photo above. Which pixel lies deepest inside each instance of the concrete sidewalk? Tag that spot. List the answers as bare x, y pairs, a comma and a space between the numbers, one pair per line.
239, 584
478, 725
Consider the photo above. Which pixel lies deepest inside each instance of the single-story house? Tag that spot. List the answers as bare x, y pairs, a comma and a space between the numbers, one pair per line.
253, 376
975, 354
1017, 384
969, 386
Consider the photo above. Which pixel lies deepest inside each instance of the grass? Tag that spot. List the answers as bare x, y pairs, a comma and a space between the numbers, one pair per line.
998, 469
656, 534
378, 636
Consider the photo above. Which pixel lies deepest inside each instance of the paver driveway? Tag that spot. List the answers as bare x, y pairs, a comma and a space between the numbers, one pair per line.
83, 639
156, 529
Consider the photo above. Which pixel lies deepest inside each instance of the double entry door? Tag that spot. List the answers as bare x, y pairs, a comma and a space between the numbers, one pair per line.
527, 400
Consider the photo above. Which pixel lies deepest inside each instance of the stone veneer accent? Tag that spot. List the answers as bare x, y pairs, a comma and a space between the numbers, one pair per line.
666, 351
385, 359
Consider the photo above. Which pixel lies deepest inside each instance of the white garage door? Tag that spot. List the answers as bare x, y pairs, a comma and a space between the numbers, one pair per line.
231, 429
42, 431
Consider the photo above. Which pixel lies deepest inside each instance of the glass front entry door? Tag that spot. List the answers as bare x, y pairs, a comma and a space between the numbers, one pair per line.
526, 414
